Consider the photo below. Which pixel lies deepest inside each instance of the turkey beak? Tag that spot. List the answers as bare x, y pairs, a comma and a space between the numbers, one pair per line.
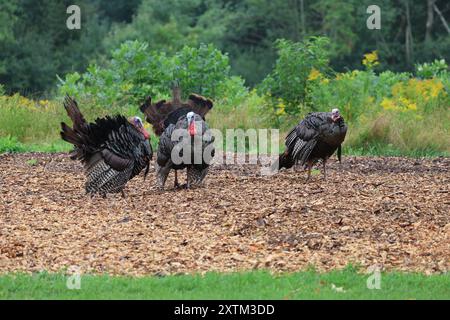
335, 117
192, 131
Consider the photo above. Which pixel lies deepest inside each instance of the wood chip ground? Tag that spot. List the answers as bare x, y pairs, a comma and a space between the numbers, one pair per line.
394, 212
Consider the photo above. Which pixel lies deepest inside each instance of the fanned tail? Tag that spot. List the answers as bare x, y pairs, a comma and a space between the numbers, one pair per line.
160, 114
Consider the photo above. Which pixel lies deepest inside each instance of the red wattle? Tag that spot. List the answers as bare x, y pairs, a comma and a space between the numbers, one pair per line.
146, 134
192, 128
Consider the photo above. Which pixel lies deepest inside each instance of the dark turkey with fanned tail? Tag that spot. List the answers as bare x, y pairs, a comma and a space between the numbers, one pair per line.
185, 139
112, 149
315, 138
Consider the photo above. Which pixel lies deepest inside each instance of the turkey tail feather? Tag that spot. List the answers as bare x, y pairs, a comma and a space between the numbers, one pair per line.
156, 113
69, 135
284, 160
200, 105
78, 133
74, 114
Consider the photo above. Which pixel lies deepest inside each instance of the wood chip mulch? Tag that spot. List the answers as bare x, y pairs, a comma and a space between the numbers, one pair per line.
393, 212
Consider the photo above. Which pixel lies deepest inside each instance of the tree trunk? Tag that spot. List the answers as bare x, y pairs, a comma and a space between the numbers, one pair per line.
444, 22
408, 35
296, 20
430, 19
302, 16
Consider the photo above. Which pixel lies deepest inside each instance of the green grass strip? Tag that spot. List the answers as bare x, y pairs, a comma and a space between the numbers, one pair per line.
343, 284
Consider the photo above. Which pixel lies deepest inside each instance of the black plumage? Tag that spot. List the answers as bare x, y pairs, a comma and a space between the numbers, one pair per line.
112, 149
185, 140
315, 138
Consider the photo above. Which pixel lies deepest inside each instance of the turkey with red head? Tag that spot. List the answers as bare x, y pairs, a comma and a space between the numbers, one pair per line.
112, 149
185, 139
315, 138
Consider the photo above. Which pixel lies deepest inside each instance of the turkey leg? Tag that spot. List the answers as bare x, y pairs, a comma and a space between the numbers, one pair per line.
161, 174
309, 165
176, 184
324, 162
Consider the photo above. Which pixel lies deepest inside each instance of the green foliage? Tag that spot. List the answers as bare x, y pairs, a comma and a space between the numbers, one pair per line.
339, 23
350, 92
296, 61
387, 113
27, 125
164, 25
201, 69
26, 120
35, 43
121, 11
433, 69
10, 144
134, 73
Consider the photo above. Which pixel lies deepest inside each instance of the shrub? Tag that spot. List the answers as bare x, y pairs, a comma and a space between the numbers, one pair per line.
202, 70
297, 62
351, 92
233, 93
134, 73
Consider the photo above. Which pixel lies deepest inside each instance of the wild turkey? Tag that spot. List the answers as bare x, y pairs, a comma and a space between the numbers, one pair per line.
112, 149
181, 125
315, 138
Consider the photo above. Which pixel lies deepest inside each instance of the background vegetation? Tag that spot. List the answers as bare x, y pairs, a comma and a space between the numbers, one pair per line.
35, 45
265, 64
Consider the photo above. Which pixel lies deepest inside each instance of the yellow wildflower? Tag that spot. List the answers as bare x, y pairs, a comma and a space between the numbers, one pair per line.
436, 88
314, 74
412, 106
371, 59
353, 74
388, 104
281, 108
404, 101
397, 88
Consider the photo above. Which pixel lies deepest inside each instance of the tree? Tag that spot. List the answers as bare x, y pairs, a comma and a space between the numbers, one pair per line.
37, 46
